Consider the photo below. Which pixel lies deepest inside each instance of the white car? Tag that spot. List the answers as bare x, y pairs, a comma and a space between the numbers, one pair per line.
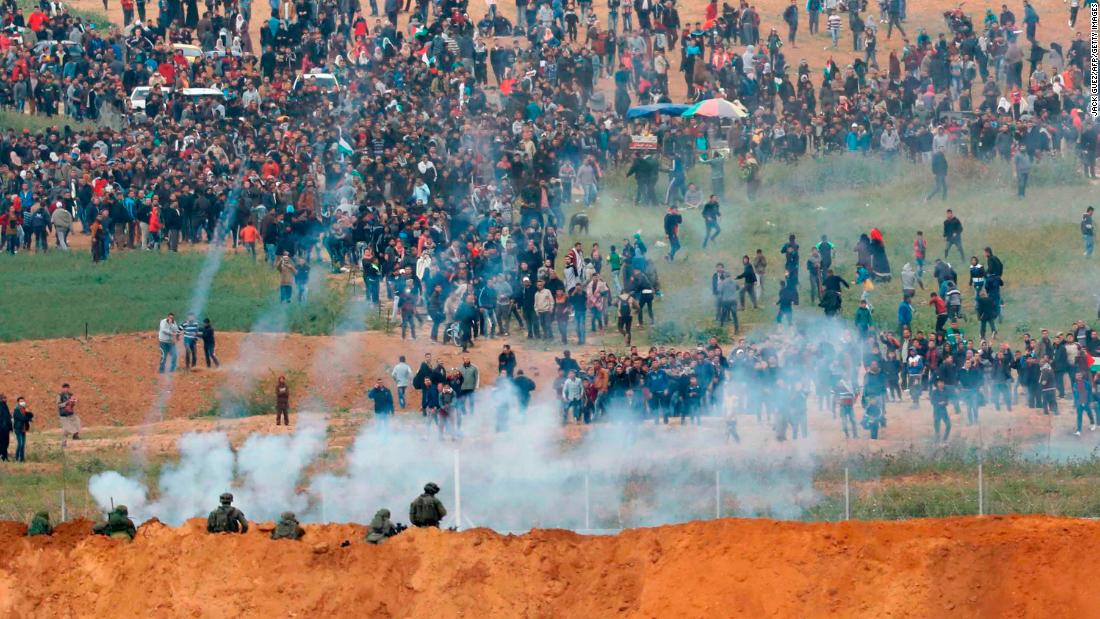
325, 82
141, 93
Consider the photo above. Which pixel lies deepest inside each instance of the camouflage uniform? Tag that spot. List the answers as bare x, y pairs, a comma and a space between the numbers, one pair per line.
426, 510
226, 518
40, 525
288, 527
381, 527
118, 525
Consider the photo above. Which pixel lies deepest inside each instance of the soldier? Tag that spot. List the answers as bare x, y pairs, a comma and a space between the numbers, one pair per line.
286, 528
381, 527
226, 518
118, 525
426, 510
40, 525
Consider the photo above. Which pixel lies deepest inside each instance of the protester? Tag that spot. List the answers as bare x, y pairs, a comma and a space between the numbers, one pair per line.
66, 411
402, 377
383, 403
167, 335
21, 425
209, 343
5, 427
282, 402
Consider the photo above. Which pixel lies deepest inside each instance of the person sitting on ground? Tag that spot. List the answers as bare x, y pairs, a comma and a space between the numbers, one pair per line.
40, 525
226, 518
381, 527
287, 527
118, 525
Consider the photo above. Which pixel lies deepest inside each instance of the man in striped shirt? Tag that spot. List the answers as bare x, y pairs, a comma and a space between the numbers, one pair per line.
191, 331
833, 25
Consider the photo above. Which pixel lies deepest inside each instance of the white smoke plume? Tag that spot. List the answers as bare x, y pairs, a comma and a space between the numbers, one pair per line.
525, 476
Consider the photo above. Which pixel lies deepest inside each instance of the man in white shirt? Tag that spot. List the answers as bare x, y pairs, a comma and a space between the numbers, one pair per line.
402, 377
167, 335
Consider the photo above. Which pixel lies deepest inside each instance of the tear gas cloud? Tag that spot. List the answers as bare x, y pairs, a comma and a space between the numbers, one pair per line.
517, 470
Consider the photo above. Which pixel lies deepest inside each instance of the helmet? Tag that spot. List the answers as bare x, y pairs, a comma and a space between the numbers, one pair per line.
287, 516
226, 498
121, 510
431, 488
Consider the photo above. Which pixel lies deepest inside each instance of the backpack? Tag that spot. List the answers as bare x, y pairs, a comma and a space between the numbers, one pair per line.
218, 522
424, 510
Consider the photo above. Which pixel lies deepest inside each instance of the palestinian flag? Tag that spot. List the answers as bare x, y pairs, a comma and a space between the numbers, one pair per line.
1094, 364
343, 146
424, 56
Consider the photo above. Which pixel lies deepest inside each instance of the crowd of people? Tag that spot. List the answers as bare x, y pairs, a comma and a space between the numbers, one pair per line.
439, 160
777, 378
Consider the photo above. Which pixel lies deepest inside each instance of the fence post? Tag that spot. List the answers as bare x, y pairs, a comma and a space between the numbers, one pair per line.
981, 490
587, 505
63, 512
847, 497
458, 491
717, 493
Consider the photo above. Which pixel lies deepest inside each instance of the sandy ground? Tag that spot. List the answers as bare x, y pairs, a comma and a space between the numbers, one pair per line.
124, 404
992, 567
116, 382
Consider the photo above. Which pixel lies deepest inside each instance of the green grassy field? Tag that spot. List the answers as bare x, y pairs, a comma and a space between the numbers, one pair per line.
1048, 283
55, 294
36, 123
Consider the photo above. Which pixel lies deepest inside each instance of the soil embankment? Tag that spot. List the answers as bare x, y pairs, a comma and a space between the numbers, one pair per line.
962, 567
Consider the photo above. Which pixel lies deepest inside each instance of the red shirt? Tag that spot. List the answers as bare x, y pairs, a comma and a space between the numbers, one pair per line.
37, 20
938, 303
249, 234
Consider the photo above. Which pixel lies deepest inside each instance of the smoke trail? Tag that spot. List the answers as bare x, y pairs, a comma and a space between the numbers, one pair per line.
200, 293
512, 480
257, 350
215, 254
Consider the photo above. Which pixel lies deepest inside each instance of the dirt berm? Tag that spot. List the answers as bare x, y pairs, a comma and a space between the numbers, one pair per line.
963, 567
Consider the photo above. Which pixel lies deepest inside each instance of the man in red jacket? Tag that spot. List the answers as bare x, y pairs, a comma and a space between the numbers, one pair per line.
941, 311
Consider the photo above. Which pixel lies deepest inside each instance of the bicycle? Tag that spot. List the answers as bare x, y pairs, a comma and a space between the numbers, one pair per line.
453, 335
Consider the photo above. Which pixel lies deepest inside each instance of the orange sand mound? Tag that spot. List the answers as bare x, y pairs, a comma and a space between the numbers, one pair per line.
960, 567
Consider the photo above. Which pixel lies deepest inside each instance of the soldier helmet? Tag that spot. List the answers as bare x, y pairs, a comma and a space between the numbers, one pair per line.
287, 516
226, 498
121, 510
43, 514
431, 488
